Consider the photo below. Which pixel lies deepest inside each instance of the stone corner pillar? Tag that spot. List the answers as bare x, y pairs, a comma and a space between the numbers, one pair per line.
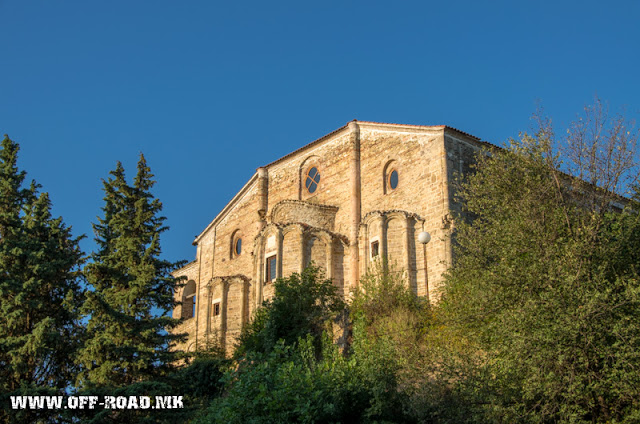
263, 197
224, 286
356, 201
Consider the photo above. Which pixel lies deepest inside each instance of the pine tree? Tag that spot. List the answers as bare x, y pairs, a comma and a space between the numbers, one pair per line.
39, 286
127, 341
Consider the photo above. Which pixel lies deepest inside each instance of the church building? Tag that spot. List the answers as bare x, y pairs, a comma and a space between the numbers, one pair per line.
360, 193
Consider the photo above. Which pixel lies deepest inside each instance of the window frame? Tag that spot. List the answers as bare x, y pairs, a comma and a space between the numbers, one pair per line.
376, 244
269, 270
307, 177
390, 188
236, 237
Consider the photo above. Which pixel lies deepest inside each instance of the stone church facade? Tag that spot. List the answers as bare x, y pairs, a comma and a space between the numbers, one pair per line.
360, 193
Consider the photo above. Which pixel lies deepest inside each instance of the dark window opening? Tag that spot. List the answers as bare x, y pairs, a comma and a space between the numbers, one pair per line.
375, 249
270, 274
393, 179
216, 309
238, 246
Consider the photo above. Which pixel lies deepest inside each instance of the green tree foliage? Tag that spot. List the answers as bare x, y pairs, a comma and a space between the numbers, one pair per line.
198, 382
545, 289
290, 384
291, 370
39, 289
402, 341
127, 340
302, 304
385, 304
387, 317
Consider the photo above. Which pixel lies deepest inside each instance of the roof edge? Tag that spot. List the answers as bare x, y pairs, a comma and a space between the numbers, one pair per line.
313, 143
346, 126
227, 207
183, 267
252, 180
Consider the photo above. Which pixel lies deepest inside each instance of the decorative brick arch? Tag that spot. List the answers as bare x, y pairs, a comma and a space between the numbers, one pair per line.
312, 214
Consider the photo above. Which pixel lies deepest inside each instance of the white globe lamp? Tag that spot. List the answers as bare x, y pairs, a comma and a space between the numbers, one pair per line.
424, 237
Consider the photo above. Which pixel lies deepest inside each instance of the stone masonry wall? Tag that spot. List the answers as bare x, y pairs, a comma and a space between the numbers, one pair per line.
190, 273
426, 160
286, 179
418, 156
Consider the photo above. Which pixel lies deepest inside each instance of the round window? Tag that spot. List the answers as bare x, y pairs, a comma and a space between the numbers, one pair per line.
238, 246
393, 179
312, 180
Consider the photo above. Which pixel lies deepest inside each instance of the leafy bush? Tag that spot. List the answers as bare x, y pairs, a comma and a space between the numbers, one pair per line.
302, 305
289, 384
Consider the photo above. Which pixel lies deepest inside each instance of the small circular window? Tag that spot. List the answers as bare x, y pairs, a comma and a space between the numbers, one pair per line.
237, 247
312, 180
393, 179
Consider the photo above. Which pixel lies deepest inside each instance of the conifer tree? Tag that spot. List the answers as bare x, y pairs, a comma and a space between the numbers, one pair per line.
127, 340
39, 286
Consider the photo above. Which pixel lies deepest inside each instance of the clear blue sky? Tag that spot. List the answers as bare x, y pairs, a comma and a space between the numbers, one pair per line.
209, 91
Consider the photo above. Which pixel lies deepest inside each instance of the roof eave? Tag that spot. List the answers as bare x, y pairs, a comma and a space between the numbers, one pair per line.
227, 208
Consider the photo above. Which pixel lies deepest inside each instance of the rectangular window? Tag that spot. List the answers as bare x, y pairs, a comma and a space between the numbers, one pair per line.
216, 309
193, 306
375, 246
270, 273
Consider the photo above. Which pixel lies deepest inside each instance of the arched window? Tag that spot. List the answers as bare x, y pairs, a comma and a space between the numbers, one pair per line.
392, 181
311, 177
312, 180
189, 300
236, 244
391, 177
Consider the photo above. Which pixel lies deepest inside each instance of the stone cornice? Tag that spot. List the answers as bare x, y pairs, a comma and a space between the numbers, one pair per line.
305, 203
388, 212
306, 227
225, 279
